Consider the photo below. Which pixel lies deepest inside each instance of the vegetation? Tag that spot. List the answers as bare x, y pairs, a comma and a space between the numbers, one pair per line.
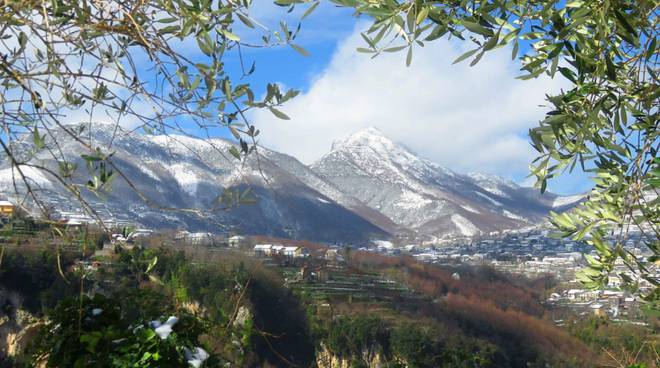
606, 123
78, 59
500, 312
624, 344
229, 307
242, 315
71, 61
115, 331
363, 340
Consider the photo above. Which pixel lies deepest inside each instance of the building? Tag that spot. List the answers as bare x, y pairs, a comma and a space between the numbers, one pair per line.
614, 282
6, 208
292, 252
263, 250
236, 241
189, 238
139, 233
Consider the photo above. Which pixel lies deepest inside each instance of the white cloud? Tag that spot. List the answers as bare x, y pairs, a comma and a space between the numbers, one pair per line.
465, 118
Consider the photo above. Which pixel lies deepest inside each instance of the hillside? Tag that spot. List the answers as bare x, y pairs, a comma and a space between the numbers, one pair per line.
368, 187
421, 195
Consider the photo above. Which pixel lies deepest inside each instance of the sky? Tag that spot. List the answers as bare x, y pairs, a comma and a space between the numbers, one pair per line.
464, 118
468, 119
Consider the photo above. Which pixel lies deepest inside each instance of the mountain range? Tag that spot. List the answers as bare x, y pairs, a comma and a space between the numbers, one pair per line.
366, 187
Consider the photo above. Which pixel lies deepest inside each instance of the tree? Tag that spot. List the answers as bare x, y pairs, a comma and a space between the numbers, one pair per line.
607, 122
159, 64
62, 58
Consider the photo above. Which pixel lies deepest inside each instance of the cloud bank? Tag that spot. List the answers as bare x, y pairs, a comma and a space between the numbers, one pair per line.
465, 118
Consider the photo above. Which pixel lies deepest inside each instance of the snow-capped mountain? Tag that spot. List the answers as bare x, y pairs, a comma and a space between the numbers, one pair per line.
419, 194
367, 187
181, 173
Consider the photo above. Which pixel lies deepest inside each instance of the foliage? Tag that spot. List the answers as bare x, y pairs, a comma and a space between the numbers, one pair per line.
160, 65
80, 58
606, 122
114, 332
352, 337
279, 330
617, 339
359, 338
36, 277
504, 313
421, 346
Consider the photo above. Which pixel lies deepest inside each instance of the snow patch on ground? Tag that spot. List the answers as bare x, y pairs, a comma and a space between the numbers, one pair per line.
34, 177
512, 215
149, 173
563, 201
384, 244
185, 177
492, 183
323, 200
464, 225
471, 209
411, 200
491, 200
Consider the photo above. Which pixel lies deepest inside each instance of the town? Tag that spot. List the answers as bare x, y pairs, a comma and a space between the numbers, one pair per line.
532, 253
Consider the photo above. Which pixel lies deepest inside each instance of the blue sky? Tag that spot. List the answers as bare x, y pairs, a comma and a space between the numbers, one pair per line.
466, 119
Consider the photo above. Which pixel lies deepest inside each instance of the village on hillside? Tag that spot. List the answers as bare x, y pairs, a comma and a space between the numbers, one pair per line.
320, 269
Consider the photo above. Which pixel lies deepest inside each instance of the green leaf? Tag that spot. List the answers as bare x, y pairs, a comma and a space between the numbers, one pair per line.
310, 10
205, 44
478, 28
245, 20
234, 152
492, 42
234, 132
39, 140
465, 56
409, 56
395, 48
230, 35
299, 49
422, 15
279, 113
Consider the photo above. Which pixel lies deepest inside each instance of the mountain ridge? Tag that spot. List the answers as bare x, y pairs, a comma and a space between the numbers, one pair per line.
422, 195
397, 191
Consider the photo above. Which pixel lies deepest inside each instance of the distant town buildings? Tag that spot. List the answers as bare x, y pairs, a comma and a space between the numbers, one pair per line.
271, 250
236, 241
6, 208
199, 238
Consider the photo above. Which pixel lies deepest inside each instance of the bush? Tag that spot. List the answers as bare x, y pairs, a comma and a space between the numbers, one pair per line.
116, 332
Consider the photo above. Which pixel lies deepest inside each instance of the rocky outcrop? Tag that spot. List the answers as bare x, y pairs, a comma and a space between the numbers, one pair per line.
17, 327
327, 359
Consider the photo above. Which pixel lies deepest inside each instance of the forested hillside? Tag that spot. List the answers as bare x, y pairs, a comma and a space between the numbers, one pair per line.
155, 306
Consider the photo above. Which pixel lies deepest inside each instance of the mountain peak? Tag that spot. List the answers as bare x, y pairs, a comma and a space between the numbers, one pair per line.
370, 136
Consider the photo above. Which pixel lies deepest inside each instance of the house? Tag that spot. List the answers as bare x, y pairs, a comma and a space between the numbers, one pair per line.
331, 254
236, 241
292, 252
139, 233
6, 208
277, 249
597, 309
200, 239
614, 282
194, 238
262, 250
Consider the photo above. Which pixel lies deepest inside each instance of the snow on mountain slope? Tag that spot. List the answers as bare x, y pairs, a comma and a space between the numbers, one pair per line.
419, 194
366, 187
184, 172
560, 202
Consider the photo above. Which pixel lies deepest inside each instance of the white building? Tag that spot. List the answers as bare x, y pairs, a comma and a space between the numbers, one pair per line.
263, 250
236, 241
